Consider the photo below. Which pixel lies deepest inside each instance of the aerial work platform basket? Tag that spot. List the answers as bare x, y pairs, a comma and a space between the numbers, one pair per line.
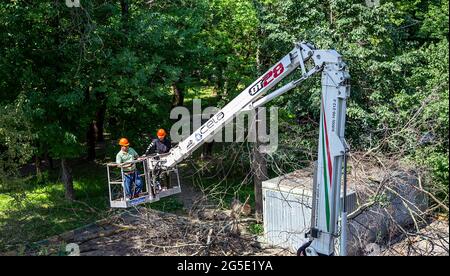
157, 182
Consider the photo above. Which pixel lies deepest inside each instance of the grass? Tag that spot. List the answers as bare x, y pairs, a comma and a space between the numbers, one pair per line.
167, 204
37, 209
206, 94
256, 229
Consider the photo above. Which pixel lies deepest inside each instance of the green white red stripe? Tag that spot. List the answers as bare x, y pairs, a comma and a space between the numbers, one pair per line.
327, 165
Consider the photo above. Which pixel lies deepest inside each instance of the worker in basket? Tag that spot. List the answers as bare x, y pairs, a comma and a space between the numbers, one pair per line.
159, 145
130, 173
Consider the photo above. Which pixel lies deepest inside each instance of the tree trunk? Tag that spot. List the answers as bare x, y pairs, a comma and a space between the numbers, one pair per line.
66, 178
100, 122
259, 165
37, 164
124, 8
91, 139
178, 95
207, 150
220, 84
48, 159
259, 169
50, 163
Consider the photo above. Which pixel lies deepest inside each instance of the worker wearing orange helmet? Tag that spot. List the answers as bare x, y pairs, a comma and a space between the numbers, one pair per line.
159, 145
130, 173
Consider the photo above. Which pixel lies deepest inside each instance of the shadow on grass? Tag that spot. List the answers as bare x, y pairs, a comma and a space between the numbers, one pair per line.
37, 209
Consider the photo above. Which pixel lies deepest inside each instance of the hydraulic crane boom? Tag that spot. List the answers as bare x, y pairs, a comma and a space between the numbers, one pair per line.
251, 97
332, 146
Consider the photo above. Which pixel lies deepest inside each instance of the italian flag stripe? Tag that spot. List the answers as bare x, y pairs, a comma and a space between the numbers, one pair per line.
325, 167
330, 166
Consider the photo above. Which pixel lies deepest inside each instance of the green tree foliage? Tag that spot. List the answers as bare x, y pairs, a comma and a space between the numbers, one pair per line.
156, 51
232, 41
67, 63
61, 67
16, 140
398, 58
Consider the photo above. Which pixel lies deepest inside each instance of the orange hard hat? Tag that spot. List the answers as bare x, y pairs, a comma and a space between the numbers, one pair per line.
161, 132
124, 142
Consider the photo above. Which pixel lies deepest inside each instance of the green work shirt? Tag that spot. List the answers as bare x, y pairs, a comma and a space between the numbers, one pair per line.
123, 157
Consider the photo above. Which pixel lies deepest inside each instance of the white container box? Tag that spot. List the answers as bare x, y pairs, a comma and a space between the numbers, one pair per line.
287, 204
